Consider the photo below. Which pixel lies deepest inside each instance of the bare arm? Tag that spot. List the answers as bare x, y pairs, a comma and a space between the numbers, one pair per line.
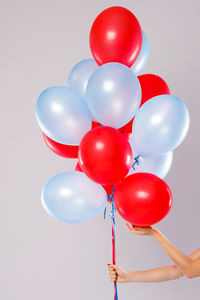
188, 265
156, 275
153, 275
161, 274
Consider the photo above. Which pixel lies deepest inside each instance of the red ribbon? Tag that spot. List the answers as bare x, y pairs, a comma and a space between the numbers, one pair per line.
114, 256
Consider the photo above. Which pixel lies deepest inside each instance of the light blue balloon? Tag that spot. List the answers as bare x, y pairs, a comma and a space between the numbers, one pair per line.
143, 57
63, 115
157, 164
71, 197
80, 74
113, 94
160, 125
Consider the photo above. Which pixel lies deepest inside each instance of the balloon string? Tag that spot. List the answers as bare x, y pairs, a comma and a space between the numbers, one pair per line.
113, 245
104, 214
105, 209
136, 161
112, 215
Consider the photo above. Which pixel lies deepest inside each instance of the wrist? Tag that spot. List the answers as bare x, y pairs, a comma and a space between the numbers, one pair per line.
155, 232
128, 276
131, 276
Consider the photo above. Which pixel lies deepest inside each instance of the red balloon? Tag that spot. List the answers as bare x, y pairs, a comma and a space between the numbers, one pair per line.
67, 151
143, 199
116, 36
152, 86
105, 155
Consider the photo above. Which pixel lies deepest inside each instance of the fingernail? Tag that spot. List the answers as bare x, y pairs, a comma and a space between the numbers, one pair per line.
108, 264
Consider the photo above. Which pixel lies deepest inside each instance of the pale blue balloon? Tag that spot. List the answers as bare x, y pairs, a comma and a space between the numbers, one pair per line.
113, 94
71, 197
80, 74
143, 57
158, 165
160, 125
63, 115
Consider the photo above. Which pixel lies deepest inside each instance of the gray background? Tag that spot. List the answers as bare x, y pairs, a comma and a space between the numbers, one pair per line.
41, 258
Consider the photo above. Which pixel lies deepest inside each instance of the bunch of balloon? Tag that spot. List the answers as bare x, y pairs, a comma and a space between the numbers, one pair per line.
122, 127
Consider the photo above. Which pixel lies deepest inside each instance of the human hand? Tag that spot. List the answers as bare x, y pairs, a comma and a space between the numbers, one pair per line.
117, 274
141, 230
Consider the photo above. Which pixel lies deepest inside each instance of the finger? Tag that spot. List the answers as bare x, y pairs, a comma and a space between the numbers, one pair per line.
113, 273
140, 228
136, 232
110, 265
133, 230
111, 268
113, 278
129, 227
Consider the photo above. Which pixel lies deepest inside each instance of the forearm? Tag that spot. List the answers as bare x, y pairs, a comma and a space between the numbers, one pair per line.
186, 265
155, 275
182, 261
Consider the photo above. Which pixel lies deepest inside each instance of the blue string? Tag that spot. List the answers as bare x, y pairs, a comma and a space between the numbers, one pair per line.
104, 214
109, 197
136, 161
